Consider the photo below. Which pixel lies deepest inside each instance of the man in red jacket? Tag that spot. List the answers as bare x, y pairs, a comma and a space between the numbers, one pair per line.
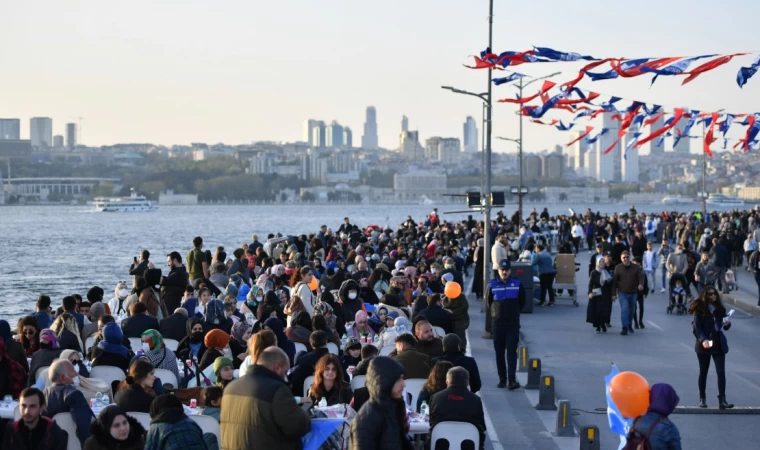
33, 431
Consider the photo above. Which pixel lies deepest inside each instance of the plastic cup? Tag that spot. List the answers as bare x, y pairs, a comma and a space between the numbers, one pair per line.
193, 403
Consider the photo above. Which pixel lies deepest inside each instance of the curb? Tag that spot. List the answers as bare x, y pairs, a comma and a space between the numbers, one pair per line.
738, 410
750, 308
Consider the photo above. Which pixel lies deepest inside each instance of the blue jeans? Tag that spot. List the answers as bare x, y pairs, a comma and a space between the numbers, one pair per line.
627, 308
664, 274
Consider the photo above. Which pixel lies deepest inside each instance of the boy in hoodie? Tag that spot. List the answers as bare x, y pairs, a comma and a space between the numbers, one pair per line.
663, 434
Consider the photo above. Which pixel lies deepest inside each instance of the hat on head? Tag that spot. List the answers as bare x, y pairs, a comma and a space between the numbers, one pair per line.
449, 277
505, 264
352, 343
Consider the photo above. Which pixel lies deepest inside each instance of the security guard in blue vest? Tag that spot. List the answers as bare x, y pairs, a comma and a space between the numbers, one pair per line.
506, 298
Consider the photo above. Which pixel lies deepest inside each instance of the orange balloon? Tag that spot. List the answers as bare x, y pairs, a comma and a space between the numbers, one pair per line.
313, 284
452, 289
630, 392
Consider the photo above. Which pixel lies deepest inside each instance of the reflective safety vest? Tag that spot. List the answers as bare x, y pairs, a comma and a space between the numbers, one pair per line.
505, 291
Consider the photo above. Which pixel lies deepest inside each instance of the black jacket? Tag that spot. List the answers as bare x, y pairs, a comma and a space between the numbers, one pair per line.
350, 307
101, 358
54, 438
173, 288
458, 404
461, 360
134, 398
507, 312
379, 424
719, 256
135, 326
305, 369
102, 440
41, 358
68, 341
336, 396
173, 327
439, 317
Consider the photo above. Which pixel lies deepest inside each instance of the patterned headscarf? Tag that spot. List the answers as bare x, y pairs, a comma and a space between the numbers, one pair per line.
155, 340
239, 330
327, 312
47, 336
216, 338
250, 299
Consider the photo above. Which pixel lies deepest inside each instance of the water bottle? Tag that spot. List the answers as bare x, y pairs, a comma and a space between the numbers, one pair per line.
106, 400
343, 340
99, 399
424, 410
323, 403
249, 318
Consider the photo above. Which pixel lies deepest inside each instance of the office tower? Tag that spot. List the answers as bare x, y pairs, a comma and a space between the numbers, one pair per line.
10, 129
404, 123
442, 149
334, 135
590, 162
655, 149
41, 131
318, 137
613, 127
577, 152
470, 137
71, 135
58, 141
531, 166
348, 137
553, 164
308, 130
409, 145
683, 145
369, 139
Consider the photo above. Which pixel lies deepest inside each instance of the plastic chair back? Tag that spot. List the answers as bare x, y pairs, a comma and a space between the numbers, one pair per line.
136, 344
65, 421
171, 344
300, 347
109, 374
208, 425
307, 384
166, 377
358, 381
455, 433
332, 348
439, 331
413, 387
143, 418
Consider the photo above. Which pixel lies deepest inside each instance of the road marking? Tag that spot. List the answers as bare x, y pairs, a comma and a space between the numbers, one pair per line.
490, 429
686, 346
654, 325
748, 382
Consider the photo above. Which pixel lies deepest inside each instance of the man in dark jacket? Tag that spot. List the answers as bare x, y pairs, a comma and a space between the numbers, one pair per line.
69, 305
662, 401
174, 326
63, 396
452, 353
33, 431
457, 404
505, 299
379, 424
627, 280
307, 363
460, 314
240, 266
436, 315
138, 268
427, 342
139, 321
639, 244
43, 316
173, 285
258, 409
416, 364
720, 257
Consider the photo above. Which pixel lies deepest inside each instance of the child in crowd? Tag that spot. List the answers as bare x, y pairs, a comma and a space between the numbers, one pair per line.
212, 399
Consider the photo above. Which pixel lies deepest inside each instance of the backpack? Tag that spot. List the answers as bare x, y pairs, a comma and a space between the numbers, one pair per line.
636, 440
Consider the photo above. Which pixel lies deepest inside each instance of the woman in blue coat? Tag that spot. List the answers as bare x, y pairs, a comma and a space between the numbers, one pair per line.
710, 320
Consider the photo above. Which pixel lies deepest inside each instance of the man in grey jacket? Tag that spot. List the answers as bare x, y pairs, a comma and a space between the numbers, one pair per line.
63, 396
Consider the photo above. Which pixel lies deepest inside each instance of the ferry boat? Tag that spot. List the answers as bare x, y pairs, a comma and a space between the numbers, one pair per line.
133, 203
723, 200
676, 200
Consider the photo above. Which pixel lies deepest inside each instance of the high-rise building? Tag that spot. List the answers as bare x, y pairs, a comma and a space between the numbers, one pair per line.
655, 149
614, 155
308, 130
318, 135
334, 135
531, 166
348, 137
41, 131
589, 161
605, 164
404, 123
442, 149
630, 162
369, 139
71, 135
683, 145
470, 136
58, 141
577, 153
10, 129
553, 164
409, 145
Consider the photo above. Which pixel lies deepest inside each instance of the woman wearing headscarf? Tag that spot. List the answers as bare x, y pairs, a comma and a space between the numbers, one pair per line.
110, 351
215, 317
75, 358
192, 345
400, 326
67, 332
283, 342
337, 313
367, 294
224, 371
318, 323
300, 329
271, 304
294, 306
596, 311
217, 344
117, 303
360, 328
115, 429
377, 321
241, 332
252, 301
158, 354
45, 356
14, 349
30, 335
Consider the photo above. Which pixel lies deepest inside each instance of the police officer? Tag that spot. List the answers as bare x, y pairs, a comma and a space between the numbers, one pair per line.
506, 298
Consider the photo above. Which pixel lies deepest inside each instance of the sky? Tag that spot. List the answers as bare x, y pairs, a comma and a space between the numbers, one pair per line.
238, 71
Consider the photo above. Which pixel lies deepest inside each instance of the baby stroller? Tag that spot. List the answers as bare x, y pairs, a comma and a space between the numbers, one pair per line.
731, 281
679, 296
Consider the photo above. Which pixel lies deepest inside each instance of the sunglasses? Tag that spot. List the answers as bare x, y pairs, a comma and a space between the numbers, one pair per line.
29, 333
75, 361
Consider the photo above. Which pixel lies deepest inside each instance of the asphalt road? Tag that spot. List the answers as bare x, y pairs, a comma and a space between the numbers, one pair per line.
579, 358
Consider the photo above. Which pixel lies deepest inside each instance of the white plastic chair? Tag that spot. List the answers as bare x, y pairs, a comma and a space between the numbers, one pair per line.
143, 418
107, 373
88, 344
208, 425
332, 348
358, 381
455, 433
136, 344
386, 350
300, 347
171, 344
67, 424
17, 412
439, 331
307, 384
166, 376
413, 387
39, 372
45, 375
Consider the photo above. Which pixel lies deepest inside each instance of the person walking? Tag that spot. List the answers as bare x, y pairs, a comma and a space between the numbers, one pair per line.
650, 266
626, 281
754, 267
710, 320
663, 253
720, 257
498, 253
661, 433
597, 310
546, 274
505, 297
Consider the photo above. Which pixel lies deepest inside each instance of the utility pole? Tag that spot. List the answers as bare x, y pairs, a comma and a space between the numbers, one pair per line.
704, 176
486, 200
520, 159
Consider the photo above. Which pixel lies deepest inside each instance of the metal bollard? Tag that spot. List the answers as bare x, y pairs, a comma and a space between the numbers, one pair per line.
546, 394
564, 426
534, 374
590, 439
522, 357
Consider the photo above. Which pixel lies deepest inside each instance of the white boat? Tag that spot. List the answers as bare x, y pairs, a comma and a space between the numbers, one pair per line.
425, 200
133, 203
676, 200
723, 200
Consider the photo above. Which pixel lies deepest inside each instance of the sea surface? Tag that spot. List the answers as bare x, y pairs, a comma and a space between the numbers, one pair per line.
61, 250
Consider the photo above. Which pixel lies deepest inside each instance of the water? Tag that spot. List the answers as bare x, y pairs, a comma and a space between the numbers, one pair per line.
61, 250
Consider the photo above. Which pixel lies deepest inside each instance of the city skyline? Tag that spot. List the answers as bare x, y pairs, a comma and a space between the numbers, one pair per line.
246, 92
